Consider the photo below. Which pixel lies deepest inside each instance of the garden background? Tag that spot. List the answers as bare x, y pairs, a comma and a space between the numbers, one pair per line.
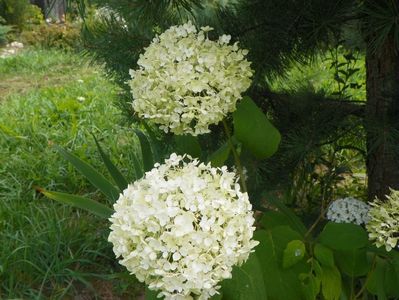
325, 76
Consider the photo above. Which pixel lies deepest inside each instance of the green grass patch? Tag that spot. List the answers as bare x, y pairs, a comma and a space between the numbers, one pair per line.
48, 251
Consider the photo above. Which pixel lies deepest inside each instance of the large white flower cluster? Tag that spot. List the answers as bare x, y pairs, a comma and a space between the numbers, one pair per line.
186, 82
348, 210
383, 227
183, 227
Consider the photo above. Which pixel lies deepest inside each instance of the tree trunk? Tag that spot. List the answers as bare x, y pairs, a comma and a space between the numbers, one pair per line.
382, 120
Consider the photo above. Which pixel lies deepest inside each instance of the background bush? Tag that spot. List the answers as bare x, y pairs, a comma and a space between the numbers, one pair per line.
59, 36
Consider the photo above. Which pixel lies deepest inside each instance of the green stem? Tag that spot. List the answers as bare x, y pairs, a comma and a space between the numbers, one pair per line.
313, 226
236, 157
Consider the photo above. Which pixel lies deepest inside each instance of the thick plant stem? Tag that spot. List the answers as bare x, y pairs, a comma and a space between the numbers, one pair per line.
236, 157
318, 220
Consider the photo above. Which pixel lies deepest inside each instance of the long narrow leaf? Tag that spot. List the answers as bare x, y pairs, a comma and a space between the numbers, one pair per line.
117, 176
148, 161
138, 170
155, 145
98, 180
218, 158
81, 202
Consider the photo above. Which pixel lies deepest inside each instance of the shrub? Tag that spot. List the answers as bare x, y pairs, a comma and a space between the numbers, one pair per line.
4, 30
20, 13
59, 36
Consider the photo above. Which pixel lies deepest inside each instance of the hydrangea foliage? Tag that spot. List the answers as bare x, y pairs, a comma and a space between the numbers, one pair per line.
186, 82
383, 227
348, 210
183, 227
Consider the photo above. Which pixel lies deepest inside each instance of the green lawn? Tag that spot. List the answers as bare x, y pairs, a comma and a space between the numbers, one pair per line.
49, 251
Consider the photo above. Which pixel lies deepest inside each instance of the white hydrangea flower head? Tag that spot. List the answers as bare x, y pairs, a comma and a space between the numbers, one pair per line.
182, 227
348, 210
383, 227
186, 82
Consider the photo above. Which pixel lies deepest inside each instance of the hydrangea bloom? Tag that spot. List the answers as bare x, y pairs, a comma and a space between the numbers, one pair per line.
183, 227
348, 210
383, 227
185, 82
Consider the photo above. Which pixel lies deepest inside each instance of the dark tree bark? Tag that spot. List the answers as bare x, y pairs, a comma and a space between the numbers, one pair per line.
382, 119
55, 9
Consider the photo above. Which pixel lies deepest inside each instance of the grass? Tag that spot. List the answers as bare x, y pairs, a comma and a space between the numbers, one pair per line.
50, 251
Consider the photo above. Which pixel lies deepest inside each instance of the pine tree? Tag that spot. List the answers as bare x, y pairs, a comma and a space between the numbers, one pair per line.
277, 33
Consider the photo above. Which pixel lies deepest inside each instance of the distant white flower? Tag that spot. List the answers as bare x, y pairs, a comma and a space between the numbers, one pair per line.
80, 81
183, 227
348, 210
186, 82
81, 99
383, 227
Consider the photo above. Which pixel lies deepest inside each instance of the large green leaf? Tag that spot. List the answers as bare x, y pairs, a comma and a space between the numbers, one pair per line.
343, 236
324, 255
375, 284
331, 285
81, 202
392, 276
352, 262
293, 253
148, 159
247, 282
219, 157
187, 144
280, 283
391, 280
310, 285
254, 130
117, 176
272, 218
97, 179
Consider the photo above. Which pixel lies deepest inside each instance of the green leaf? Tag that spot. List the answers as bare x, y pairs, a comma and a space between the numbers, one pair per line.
343, 236
138, 169
151, 295
117, 176
391, 280
375, 284
331, 285
218, 158
280, 283
293, 253
246, 283
254, 130
324, 255
352, 262
310, 285
148, 161
187, 144
272, 218
98, 180
81, 202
